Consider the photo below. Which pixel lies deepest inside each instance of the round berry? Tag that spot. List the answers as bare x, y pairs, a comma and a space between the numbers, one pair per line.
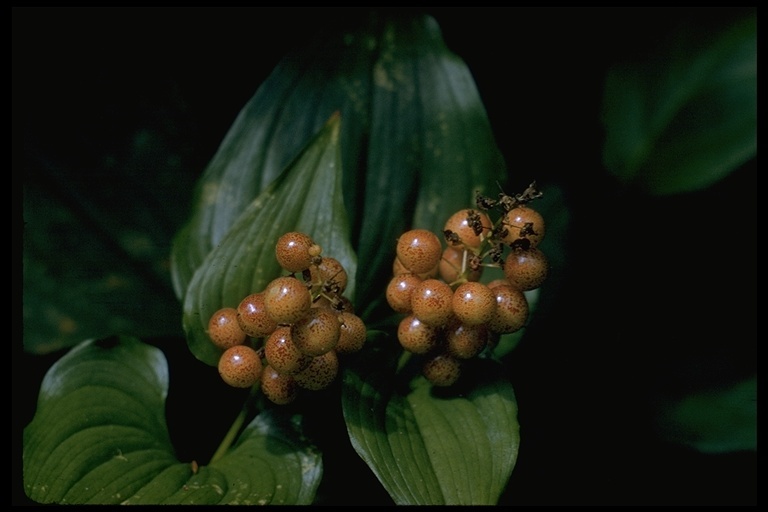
524, 227
224, 329
417, 337
431, 302
526, 269
473, 303
287, 299
453, 260
253, 317
240, 366
279, 388
320, 373
292, 251
419, 250
317, 332
400, 290
511, 310
330, 275
465, 341
336, 303
442, 369
398, 268
352, 335
282, 354
467, 227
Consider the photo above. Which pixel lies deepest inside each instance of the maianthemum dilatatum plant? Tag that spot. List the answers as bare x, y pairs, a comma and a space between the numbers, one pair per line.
371, 151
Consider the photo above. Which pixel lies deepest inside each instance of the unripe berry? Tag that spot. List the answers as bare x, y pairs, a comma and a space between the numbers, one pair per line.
524, 227
442, 369
253, 317
465, 341
419, 250
400, 290
292, 251
282, 354
469, 226
526, 269
279, 388
473, 303
431, 302
511, 310
352, 335
240, 366
287, 299
317, 332
320, 373
451, 264
417, 337
224, 329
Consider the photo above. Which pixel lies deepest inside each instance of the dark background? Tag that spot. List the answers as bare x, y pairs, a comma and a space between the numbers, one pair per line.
632, 321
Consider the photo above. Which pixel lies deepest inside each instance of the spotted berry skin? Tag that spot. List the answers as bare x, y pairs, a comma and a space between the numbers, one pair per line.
417, 337
460, 224
320, 373
526, 269
317, 332
282, 354
253, 317
473, 303
400, 290
287, 299
451, 264
524, 227
431, 302
465, 341
398, 268
279, 388
240, 366
511, 310
224, 329
330, 273
419, 250
292, 251
442, 370
352, 333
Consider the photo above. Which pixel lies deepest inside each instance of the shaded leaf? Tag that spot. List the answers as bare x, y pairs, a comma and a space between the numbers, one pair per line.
686, 118
306, 197
99, 437
432, 446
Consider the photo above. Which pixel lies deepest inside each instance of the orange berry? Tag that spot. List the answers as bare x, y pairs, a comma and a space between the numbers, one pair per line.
431, 302
317, 332
240, 366
451, 264
292, 251
417, 337
224, 329
253, 317
419, 250
525, 227
400, 290
287, 299
470, 226
465, 341
511, 310
442, 369
352, 335
279, 388
473, 303
282, 354
320, 373
526, 269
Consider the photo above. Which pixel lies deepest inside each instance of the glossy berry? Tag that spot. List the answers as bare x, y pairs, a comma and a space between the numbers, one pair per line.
473, 303
317, 332
419, 250
442, 369
279, 388
400, 290
253, 317
452, 262
524, 227
511, 310
282, 354
526, 269
417, 337
465, 341
320, 373
431, 302
287, 299
240, 366
224, 329
352, 334
398, 268
468, 227
292, 251
330, 275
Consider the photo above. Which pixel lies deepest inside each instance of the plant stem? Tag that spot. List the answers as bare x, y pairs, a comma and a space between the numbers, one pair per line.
234, 429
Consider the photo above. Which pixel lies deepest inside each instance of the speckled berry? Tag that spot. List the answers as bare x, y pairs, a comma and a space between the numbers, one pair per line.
473, 303
282, 354
400, 290
287, 299
511, 310
329, 275
317, 332
524, 227
442, 370
452, 262
469, 226
419, 250
253, 317
240, 366
224, 329
352, 334
526, 269
465, 341
398, 268
417, 337
320, 373
292, 251
279, 388
431, 302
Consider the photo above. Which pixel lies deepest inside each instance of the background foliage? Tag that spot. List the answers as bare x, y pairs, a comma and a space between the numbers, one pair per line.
622, 338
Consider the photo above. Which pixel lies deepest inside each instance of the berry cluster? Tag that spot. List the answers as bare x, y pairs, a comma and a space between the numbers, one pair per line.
289, 336
449, 315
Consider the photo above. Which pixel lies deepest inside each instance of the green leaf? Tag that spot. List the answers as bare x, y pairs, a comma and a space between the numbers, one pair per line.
306, 197
99, 437
686, 118
431, 446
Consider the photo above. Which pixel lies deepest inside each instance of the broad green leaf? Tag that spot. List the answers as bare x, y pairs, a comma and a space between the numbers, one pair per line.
431, 446
687, 117
99, 437
306, 197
